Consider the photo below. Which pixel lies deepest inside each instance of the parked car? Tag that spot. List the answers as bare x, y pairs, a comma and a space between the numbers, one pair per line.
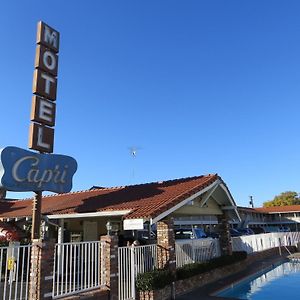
234, 232
213, 235
258, 230
245, 231
189, 233
284, 229
269, 229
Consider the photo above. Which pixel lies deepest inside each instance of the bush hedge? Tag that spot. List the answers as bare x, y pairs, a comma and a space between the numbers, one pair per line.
154, 280
190, 270
158, 279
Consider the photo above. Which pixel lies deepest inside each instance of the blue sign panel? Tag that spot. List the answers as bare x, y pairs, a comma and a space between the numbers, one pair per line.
22, 171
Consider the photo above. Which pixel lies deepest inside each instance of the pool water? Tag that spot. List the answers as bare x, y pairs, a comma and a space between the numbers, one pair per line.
281, 282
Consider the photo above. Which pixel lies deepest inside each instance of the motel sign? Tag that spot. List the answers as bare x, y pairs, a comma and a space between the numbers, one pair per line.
22, 170
41, 133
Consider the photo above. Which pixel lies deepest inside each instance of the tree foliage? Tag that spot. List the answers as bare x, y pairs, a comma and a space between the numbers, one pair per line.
284, 199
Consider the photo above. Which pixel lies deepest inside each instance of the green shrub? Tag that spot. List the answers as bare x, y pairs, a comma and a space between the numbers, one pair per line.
158, 279
190, 270
154, 280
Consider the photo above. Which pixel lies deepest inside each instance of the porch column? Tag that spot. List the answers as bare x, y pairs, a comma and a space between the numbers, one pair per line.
166, 244
109, 264
60, 240
41, 272
60, 231
225, 237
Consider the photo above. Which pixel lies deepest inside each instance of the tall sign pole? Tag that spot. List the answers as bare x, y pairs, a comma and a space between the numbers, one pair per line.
41, 133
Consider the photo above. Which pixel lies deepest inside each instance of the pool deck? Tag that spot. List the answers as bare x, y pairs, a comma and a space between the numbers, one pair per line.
205, 292
295, 255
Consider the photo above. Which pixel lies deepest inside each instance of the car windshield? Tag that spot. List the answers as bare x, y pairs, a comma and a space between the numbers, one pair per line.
199, 233
183, 234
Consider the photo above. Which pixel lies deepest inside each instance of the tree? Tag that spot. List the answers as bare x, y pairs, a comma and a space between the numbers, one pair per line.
284, 199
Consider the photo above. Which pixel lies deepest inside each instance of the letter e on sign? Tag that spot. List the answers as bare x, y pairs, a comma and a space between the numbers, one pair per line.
43, 111
47, 36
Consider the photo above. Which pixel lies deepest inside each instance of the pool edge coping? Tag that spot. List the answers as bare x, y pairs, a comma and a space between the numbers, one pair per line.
277, 261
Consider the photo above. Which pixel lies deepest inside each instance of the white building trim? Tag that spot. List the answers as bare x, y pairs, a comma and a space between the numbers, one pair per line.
222, 185
209, 194
184, 202
113, 213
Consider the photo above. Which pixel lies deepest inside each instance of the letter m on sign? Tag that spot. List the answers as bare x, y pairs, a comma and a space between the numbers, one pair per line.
47, 36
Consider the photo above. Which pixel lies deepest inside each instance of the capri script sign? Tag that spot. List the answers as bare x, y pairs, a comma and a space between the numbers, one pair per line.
22, 171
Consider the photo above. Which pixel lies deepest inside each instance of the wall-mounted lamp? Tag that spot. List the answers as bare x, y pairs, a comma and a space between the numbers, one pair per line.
109, 228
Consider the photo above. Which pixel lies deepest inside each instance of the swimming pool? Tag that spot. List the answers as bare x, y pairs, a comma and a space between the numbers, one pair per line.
281, 282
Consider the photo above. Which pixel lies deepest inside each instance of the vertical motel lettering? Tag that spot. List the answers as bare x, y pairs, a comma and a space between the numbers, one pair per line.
41, 134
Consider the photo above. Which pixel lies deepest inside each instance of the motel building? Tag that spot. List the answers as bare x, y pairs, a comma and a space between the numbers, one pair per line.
133, 211
270, 218
129, 211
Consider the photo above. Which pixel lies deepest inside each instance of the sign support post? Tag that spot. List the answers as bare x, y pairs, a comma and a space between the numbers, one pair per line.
36, 216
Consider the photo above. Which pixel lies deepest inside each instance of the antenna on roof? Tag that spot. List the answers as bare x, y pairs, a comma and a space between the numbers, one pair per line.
133, 150
251, 203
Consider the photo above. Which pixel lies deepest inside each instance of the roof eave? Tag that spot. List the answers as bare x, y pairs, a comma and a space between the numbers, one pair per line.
185, 201
107, 213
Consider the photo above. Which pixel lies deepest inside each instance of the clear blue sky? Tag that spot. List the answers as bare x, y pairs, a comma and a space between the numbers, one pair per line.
199, 86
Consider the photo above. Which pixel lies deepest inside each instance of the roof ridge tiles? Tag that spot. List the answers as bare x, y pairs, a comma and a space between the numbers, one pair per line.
64, 194
174, 180
83, 191
95, 188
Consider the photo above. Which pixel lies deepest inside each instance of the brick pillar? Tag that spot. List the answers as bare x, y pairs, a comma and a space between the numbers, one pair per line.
109, 264
41, 272
35, 259
47, 266
166, 244
225, 237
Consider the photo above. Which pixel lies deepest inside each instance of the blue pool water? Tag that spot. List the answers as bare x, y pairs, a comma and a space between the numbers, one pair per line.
282, 282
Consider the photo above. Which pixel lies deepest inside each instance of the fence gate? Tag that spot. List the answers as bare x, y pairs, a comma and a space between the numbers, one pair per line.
15, 271
77, 268
133, 260
196, 250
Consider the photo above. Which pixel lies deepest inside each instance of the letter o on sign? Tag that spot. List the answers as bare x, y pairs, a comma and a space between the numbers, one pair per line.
49, 60
46, 60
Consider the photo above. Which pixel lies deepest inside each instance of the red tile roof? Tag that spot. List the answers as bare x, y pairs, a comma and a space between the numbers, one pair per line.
249, 209
279, 209
144, 200
246, 208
